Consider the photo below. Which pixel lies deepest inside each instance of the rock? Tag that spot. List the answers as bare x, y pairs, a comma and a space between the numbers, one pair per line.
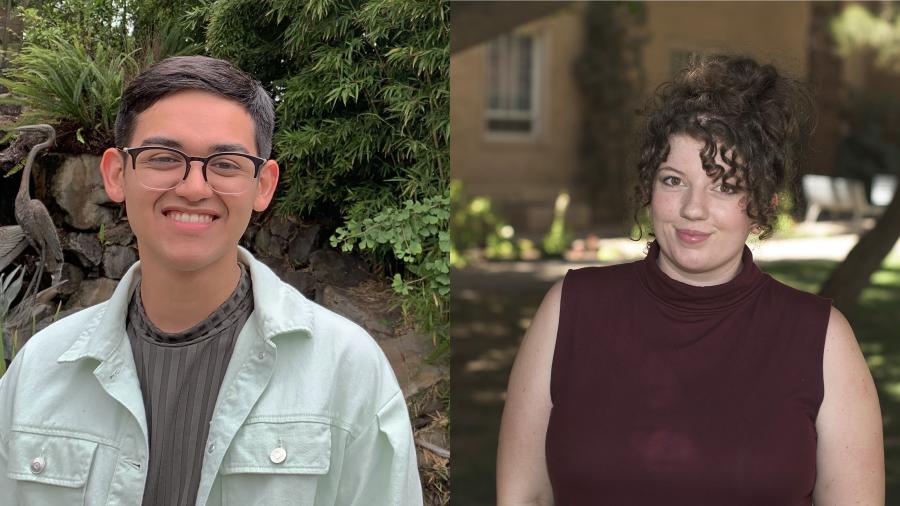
78, 190
303, 243
249, 235
93, 291
120, 234
407, 355
73, 276
303, 281
86, 247
267, 244
281, 226
117, 260
333, 268
370, 315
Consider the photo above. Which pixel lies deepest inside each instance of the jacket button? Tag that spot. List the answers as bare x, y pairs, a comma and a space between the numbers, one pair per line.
37, 465
211, 448
278, 455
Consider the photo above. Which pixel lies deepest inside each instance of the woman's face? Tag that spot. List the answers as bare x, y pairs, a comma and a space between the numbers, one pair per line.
701, 224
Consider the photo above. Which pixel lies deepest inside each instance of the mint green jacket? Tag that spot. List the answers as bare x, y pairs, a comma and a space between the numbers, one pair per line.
301, 378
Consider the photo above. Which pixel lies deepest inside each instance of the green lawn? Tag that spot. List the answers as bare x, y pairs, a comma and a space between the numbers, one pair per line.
876, 322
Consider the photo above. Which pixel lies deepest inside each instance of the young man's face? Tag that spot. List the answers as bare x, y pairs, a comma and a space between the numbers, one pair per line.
190, 227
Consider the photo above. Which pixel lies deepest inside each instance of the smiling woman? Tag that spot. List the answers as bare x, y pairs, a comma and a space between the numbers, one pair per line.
691, 377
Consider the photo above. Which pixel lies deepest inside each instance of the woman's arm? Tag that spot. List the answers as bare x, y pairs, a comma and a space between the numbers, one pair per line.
521, 464
850, 451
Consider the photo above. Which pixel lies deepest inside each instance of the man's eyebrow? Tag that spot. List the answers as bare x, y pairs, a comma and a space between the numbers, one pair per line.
215, 148
237, 148
161, 141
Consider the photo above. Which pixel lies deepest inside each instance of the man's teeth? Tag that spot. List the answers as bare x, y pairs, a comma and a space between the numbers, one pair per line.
190, 218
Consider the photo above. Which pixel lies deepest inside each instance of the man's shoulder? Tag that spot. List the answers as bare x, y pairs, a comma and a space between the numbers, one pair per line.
333, 330
56, 338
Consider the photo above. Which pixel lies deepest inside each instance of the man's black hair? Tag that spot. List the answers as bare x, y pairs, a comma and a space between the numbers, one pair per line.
202, 73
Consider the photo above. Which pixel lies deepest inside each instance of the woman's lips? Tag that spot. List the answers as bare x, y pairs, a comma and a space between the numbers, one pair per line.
691, 236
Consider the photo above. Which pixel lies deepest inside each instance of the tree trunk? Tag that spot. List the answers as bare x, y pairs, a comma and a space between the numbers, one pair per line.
850, 277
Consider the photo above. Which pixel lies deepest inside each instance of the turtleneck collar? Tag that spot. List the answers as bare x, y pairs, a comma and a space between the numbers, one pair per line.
699, 300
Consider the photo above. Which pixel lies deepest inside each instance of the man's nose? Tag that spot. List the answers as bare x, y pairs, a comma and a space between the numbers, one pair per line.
694, 205
194, 187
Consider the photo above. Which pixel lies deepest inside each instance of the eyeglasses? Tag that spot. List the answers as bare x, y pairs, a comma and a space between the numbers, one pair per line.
162, 168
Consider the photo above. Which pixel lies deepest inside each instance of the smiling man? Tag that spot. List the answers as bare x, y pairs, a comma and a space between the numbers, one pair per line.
204, 379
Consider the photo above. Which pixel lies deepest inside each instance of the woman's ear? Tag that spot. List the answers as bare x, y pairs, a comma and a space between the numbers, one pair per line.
112, 168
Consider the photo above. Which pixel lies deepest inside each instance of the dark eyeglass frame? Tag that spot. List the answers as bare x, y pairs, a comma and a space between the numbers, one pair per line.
135, 151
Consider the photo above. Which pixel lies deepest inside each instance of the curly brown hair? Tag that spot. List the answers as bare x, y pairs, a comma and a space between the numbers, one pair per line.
757, 119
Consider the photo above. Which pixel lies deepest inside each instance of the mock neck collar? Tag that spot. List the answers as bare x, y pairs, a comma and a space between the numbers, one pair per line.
699, 300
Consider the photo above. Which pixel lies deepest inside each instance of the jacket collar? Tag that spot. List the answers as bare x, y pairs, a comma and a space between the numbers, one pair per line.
278, 309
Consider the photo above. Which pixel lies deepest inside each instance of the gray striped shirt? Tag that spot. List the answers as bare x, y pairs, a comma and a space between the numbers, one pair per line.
180, 376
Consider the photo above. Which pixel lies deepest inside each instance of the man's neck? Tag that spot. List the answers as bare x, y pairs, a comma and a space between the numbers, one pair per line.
176, 301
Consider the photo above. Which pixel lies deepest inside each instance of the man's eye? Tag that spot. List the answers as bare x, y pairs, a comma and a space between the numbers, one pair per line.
164, 159
225, 165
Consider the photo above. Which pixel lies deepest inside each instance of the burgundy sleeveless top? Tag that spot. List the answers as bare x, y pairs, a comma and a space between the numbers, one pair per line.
667, 393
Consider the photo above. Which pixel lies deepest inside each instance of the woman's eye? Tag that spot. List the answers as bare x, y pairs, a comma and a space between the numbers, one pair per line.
670, 180
729, 189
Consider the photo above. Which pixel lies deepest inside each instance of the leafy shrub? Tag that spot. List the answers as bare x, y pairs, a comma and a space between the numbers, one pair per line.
62, 84
408, 232
362, 97
93, 24
476, 225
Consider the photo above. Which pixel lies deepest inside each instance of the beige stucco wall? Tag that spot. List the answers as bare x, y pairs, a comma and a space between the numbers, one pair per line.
523, 177
770, 32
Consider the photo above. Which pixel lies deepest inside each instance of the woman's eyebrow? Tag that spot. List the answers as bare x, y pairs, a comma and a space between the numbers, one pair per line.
669, 167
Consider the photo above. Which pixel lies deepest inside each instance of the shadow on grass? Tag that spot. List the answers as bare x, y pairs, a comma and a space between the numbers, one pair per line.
876, 323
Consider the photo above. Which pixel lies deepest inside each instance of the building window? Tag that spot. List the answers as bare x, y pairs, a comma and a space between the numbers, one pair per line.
512, 85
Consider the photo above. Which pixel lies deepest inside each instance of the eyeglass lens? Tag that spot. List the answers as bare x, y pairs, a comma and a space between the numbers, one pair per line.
161, 169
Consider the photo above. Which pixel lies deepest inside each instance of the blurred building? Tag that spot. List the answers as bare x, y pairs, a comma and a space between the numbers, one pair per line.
516, 109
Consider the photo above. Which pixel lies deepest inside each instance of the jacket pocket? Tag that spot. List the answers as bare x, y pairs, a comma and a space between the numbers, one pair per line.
274, 463
49, 469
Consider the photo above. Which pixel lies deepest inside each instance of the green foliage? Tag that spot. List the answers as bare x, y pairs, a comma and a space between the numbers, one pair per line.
61, 83
784, 221
558, 239
476, 225
411, 231
642, 227
857, 28
101, 234
77, 56
92, 24
362, 97
362, 101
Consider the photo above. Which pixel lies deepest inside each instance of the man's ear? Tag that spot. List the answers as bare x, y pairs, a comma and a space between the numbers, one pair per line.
268, 180
113, 170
